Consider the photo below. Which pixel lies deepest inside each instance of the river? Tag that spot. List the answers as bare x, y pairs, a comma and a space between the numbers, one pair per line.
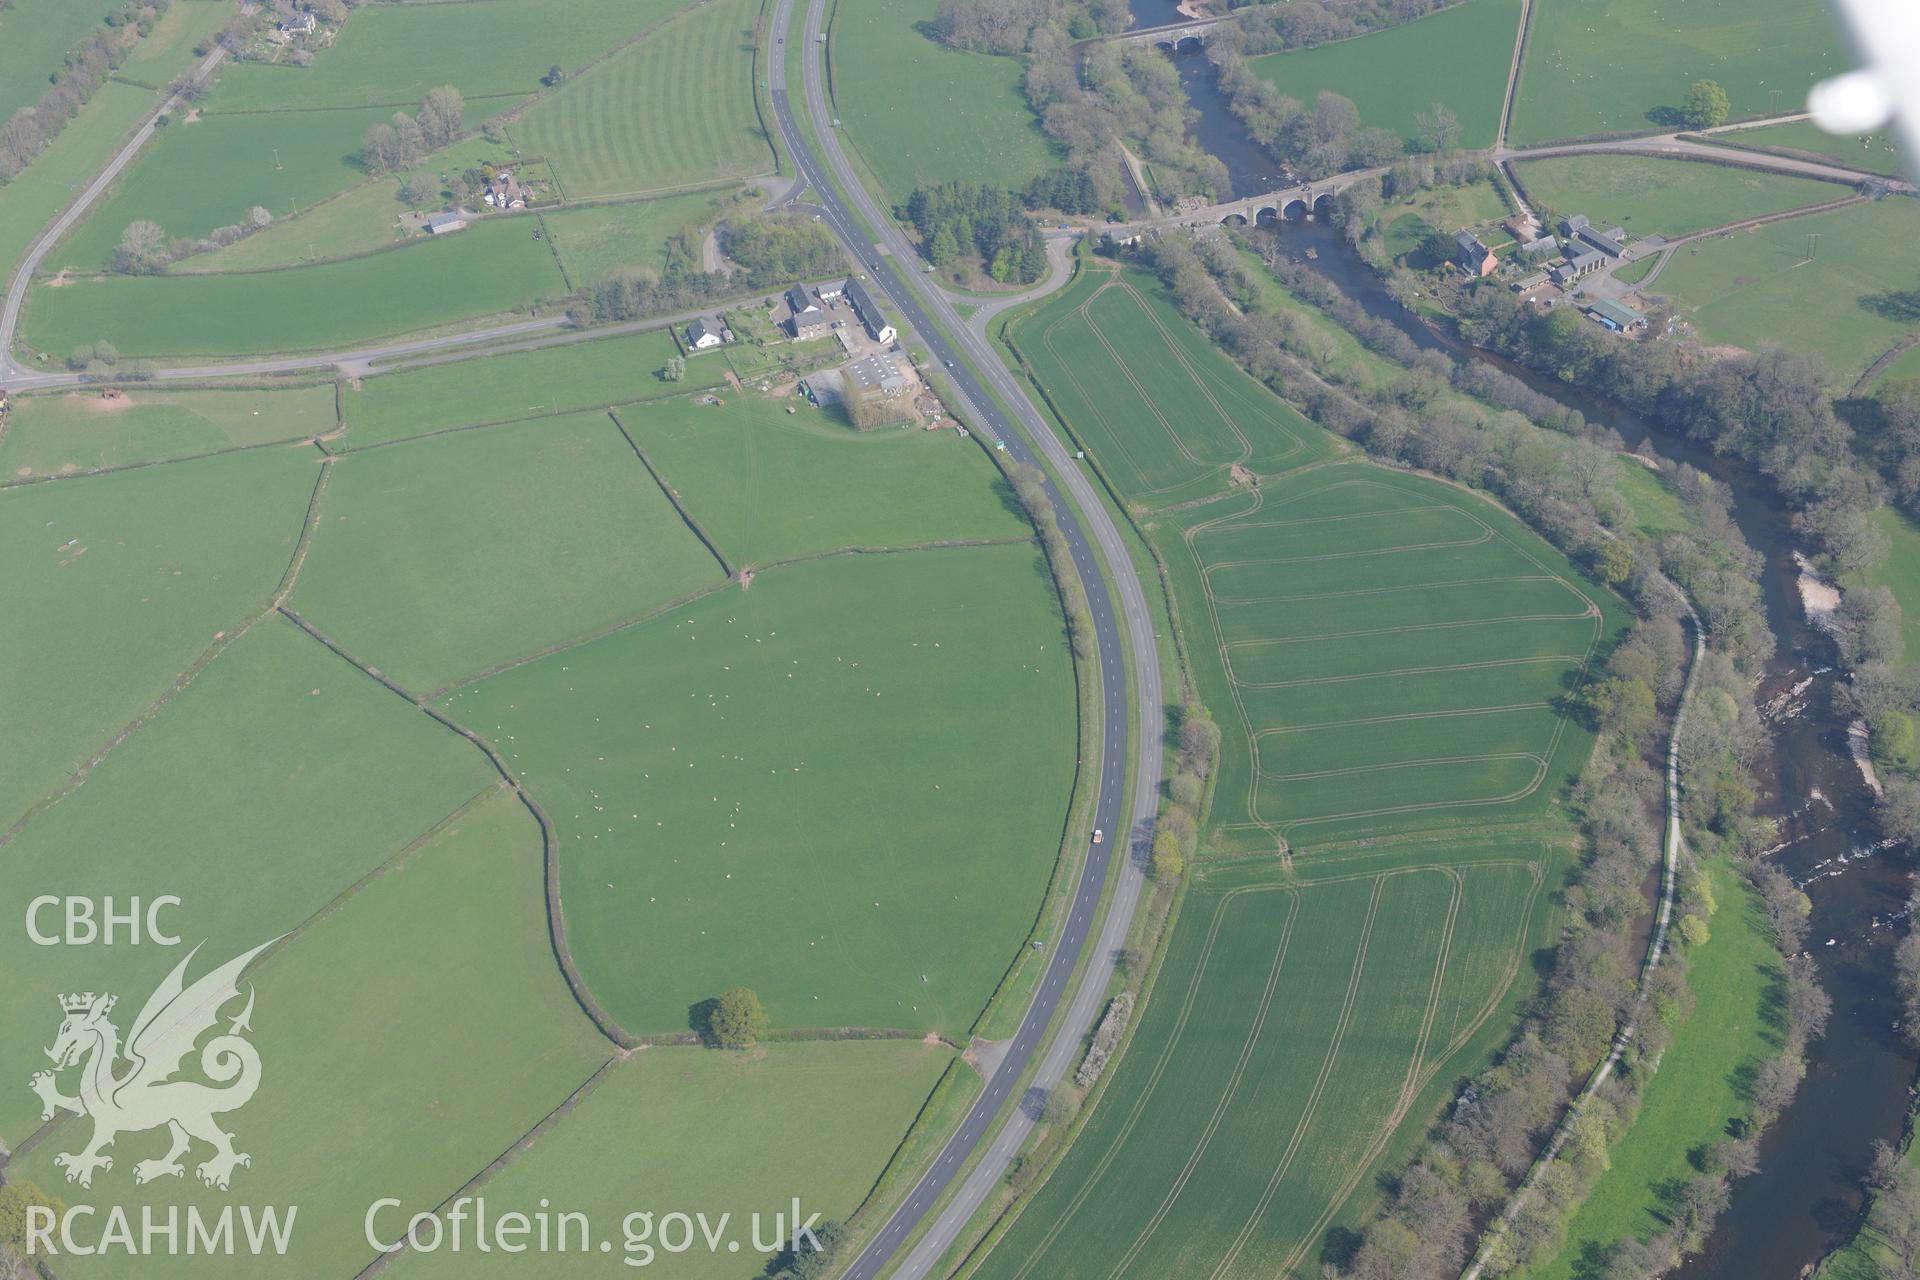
1807, 1197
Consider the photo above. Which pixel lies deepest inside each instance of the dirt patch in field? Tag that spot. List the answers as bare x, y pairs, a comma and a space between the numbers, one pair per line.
1239, 475
61, 280
108, 401
746, 579
192, 117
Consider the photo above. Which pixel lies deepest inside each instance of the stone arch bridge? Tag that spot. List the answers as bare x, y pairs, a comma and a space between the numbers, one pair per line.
1174, 37
1303, 200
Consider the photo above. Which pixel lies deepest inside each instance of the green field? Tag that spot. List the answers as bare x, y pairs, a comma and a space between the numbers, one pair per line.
396, 1060
1457, 57
1159, 409
61, 432
390, 55
1384, 653
195, 177
1873, 152
1294, 1026
358, 220
34, 38
920, 112
434, 559
1665, 197
489, 269
675, 109
1899, 572
596, 241
1698, 1090
278, 778
120, 582
1853, 301
767, 486
525, 384
1620, 66
855, 821
689, 1130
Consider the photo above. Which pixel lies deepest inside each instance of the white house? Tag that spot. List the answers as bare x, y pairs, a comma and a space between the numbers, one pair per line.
703, 335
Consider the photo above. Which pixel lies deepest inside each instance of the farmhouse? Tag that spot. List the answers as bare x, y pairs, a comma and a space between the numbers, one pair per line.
1574, 225
1616, 315
704, 334
300, 24
441, 224
806, 318
870, 314
1473, 256
833, 290
1579, 264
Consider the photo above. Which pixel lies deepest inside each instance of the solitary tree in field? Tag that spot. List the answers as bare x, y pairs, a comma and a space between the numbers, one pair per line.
555, 74
738, 1019
1439, 128
143, 246
1705, 105
676, 368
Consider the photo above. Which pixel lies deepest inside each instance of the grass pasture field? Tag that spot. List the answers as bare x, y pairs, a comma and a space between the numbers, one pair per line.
390, 55
521, 384
1623, 66
278, 778
1457, 57
66, 431
489, 269
1848, 304
1672, 198
1300, 1024
1872, 152
856, 822
1899, 572
686, 1129
1385, 653
673, 109
597, 240
921, 112
393, 1056
121, 581
436, 558
355, 221
738, 470
1159, 409
1699, 1090
34, 38
195, 177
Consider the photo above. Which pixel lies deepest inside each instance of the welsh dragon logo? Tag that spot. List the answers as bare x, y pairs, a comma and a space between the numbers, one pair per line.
143, 1094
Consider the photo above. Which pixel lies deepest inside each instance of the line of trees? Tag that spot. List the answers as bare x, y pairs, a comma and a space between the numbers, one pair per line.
1030, 487
26, 133
405, 141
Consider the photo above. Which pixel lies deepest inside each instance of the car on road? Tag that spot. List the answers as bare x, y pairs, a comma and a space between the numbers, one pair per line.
1099, 836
